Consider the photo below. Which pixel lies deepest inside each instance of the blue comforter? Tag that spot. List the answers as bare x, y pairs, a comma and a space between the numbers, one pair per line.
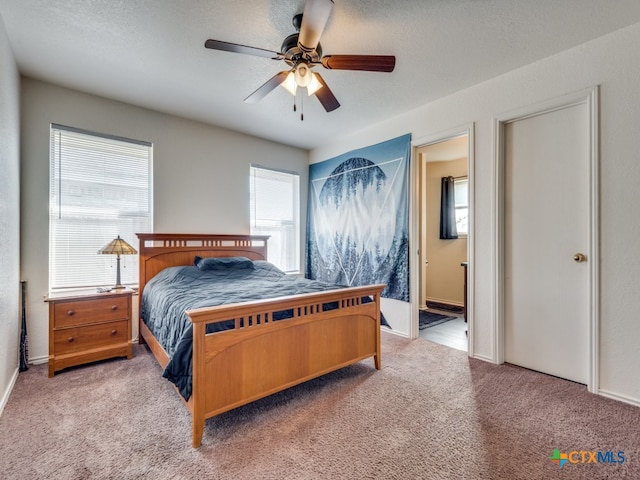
172, 292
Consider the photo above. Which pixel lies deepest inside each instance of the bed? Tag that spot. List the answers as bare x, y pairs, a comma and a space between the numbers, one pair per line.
240, 352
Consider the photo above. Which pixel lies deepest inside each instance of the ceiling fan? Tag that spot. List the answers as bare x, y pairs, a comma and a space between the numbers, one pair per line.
302, 51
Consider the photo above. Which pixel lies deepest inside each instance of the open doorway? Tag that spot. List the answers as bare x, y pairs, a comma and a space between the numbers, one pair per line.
444, 193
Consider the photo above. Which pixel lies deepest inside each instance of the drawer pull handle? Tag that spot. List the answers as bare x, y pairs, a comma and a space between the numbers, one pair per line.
70, 339
114, 331
114, 307
70, 312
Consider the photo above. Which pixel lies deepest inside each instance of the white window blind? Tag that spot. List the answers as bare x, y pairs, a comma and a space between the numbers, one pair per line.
100, 187
275, 211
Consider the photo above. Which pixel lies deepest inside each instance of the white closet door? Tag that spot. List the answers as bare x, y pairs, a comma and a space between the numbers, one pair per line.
547, 291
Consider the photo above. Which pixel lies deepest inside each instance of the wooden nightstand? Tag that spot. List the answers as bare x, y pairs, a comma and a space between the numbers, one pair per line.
86, 327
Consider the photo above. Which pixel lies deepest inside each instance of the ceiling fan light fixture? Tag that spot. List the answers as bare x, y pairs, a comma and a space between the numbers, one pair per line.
290, 84
314, 85
303, 75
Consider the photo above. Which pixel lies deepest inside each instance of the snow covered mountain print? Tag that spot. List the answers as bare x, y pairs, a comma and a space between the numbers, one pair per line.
358, 219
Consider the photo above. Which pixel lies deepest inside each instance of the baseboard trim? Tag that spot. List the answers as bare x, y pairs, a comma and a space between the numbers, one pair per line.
621, 398
445, 306
394, 332
441, 301
39, 360
7, 392
484, 358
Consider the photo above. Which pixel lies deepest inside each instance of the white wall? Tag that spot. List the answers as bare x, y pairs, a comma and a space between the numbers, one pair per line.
611, 62
200, 176
9, 216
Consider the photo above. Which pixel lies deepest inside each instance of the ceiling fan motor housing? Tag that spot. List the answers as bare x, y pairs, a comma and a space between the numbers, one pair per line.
293, 54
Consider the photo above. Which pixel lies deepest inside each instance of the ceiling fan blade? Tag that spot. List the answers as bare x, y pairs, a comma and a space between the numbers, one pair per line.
236, 48
269, 85
326, 96
369, 63
314, 18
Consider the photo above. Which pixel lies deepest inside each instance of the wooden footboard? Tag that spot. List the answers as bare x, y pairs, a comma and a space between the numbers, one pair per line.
261, 356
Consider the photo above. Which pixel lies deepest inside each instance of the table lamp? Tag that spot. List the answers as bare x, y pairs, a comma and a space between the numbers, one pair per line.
118, 247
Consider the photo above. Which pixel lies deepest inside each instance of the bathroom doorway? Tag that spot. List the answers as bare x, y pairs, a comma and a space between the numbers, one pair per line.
442, 315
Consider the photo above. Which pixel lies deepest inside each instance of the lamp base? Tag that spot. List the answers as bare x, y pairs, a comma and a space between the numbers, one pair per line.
119, 285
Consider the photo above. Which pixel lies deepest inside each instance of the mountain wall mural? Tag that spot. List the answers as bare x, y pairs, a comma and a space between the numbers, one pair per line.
358, 218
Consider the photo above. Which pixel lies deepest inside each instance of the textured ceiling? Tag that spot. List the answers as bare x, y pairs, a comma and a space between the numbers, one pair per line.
151, 53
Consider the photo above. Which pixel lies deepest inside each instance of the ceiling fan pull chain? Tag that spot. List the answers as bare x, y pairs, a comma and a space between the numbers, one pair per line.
301, 107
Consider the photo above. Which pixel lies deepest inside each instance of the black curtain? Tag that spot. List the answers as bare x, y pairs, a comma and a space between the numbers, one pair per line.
448, 230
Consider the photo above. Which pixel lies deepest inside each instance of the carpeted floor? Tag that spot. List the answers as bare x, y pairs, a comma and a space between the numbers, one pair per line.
429, 413
428, 319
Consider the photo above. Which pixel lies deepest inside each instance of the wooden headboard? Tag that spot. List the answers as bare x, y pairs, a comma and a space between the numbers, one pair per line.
162, 250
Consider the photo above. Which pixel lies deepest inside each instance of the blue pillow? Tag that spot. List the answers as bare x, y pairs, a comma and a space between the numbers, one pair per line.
223, 263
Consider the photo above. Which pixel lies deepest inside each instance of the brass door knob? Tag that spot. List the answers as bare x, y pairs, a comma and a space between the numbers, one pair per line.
580, 257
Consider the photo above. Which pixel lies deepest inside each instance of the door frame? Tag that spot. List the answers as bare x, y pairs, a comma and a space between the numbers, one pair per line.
416, 256
589, 97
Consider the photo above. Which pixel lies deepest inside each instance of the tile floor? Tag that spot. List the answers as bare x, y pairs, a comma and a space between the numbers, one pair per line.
451, 333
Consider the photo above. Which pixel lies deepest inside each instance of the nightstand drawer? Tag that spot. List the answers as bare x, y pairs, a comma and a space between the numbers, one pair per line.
81, 312
81, 339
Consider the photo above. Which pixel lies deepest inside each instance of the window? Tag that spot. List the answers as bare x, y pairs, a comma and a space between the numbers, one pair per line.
275, 211
100, 187
461, 194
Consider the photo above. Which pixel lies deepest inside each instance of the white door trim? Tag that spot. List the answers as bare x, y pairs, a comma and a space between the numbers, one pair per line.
415, 254
590, 97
